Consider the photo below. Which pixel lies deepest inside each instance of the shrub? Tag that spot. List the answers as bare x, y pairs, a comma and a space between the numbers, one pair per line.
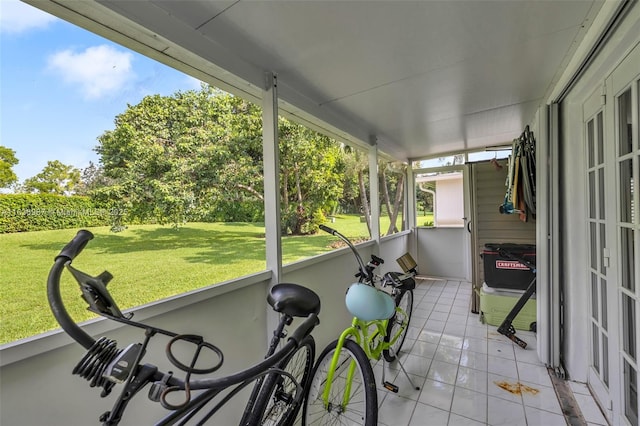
38, 212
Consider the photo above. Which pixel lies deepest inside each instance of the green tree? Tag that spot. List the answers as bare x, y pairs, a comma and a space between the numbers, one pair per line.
55, 178
424, 199
172, 158
197, 155
311, 166
356, 184
7, 161
350, 201
392, 182
91, 179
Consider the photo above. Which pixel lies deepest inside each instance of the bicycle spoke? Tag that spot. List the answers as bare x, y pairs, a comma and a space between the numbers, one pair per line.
402, 318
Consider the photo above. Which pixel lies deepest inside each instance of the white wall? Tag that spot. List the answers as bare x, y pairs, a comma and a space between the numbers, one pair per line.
442, 252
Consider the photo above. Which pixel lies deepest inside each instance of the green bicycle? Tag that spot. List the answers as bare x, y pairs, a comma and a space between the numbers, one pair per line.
342, 387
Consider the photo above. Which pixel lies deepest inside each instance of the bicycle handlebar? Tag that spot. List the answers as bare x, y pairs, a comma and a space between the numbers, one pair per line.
366, 271
325, 228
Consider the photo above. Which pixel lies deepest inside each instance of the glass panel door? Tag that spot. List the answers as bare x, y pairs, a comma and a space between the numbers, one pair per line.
628, 235
624, 108
598, 263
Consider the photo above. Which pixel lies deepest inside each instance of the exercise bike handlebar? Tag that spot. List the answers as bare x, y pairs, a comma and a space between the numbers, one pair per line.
67, 254
76, 245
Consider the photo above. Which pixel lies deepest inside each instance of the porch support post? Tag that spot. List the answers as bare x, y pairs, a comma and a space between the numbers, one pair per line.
374, 192
410, 197
410, 209
271, 177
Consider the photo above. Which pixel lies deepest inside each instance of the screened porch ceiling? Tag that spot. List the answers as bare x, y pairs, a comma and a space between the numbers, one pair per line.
420, 78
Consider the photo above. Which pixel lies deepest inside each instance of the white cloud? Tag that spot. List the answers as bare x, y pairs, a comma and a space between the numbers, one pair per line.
98, 70
18, 17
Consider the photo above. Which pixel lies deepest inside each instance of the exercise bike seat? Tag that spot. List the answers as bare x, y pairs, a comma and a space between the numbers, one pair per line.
294, 300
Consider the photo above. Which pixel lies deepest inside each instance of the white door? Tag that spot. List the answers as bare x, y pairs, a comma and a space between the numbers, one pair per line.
601, 292
623, 106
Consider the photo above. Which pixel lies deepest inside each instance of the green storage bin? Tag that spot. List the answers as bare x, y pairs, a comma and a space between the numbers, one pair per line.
496, 305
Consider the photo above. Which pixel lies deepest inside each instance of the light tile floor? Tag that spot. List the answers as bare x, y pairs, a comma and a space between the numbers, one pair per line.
468, 373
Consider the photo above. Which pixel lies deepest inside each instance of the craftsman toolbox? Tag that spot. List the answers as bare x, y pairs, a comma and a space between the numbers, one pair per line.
502, 269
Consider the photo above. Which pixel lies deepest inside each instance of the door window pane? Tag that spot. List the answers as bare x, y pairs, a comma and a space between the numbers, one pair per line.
630, 393
602, 246
626, 191
440, 199
603, 302
627, 255
624, 123
594, 296
628, 326
595, 347
590, 143
605, 359
601, 192
594, 246
592, 195
600, 138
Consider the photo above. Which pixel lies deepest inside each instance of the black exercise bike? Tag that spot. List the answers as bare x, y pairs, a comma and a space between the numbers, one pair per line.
278, 381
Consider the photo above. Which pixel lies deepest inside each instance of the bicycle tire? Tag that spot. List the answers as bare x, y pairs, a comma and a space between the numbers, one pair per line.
277, 404
363, 402
405, 301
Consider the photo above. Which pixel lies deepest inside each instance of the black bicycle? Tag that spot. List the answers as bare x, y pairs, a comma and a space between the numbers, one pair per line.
278, 381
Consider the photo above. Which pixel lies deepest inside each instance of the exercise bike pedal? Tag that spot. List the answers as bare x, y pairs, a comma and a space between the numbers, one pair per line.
390, 386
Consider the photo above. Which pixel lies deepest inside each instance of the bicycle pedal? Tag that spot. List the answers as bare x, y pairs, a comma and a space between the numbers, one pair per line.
391, 387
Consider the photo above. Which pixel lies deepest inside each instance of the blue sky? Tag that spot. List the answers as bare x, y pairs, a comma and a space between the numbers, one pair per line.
61, 87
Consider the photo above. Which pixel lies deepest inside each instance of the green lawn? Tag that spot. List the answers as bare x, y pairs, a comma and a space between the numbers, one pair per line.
149, 262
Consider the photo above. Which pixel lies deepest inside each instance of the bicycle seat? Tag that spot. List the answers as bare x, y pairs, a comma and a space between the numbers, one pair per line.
294, 300
368, 303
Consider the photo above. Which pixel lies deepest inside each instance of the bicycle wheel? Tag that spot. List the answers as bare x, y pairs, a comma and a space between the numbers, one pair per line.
362, 401
404, 300
279, 401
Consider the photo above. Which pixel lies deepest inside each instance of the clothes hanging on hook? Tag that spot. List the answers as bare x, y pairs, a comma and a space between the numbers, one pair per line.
520, 196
